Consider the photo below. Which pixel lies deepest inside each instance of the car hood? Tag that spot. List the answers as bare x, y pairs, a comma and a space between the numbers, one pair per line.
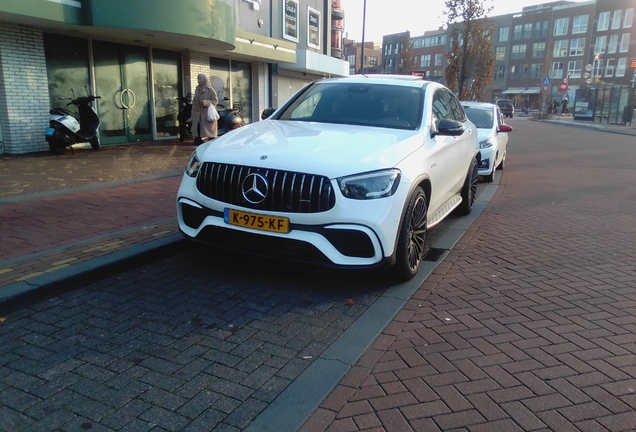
482, 134
317, 148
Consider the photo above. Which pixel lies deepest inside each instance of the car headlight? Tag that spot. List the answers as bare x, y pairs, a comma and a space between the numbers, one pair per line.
485, 143
194, 164
378, 184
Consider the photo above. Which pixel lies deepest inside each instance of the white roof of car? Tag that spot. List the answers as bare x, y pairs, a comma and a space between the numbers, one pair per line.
404, 80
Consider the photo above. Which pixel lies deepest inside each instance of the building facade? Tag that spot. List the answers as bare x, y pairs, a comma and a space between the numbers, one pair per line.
429, 51
140, 56
372, 57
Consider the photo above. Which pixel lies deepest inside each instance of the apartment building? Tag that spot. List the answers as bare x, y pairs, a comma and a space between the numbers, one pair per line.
139, 56
429, 51
392, 47
353, 53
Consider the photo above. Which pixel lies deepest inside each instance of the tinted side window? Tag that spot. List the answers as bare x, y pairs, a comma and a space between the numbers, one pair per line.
457, 112
440, 105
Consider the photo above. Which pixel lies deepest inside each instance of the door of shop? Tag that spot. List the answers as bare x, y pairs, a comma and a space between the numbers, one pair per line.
121, 78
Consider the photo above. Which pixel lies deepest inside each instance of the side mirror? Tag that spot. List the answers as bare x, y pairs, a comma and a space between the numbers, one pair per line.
267, 112
448, 127
504, 128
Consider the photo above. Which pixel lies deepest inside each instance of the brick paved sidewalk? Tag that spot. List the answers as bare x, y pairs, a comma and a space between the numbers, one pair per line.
529, 323
57, 212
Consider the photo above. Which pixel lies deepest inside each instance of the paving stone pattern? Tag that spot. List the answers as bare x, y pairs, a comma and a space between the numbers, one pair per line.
197, 342
530, 323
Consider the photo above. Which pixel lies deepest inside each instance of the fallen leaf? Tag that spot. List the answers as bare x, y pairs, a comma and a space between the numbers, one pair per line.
3, 319
350, 302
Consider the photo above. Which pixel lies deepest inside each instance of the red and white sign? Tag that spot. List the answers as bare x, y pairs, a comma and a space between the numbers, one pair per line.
545, 89
563, 87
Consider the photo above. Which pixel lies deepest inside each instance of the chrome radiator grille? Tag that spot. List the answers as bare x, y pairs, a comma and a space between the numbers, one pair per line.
288, 191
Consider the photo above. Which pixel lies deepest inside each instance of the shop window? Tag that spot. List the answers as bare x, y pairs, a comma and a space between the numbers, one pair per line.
66, 68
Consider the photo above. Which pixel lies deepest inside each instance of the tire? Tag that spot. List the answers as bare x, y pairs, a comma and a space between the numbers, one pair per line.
95, 143
412, 237
503, 162
469, 190
490, 177
57, 146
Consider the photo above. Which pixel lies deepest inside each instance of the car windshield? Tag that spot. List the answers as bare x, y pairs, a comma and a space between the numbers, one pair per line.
482, 118
380, 105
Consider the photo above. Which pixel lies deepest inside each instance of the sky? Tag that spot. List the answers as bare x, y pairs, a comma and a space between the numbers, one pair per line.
395, 16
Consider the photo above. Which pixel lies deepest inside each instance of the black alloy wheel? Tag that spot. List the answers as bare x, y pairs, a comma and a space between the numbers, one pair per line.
469, 190
412, 237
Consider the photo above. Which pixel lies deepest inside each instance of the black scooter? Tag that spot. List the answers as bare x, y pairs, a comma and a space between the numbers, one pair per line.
185, 117
230, 118
65, 130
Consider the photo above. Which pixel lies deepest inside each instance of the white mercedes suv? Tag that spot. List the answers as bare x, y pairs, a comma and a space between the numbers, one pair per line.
350, 172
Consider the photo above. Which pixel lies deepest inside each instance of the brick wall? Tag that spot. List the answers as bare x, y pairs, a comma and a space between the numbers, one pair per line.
24, 94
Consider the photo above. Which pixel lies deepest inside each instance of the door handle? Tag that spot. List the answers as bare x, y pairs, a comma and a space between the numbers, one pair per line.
121, 99
134, 98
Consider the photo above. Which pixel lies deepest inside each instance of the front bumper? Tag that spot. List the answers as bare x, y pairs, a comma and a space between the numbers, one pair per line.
335, 238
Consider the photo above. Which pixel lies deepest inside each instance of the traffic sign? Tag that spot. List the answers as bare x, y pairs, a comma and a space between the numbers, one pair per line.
632, 63
563, 87
545, 89
547, 81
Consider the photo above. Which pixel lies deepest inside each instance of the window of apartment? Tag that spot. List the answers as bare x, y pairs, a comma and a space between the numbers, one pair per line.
538, 50
373, 61
522, 73
575, 68
577, 47
397, 48
624, 47
629, 17
527, 31
616, 21
560, 48
620, 67
513, 72
609, 68
603, 21
579, 24
600, 44
518, 52
425, 60
503, 34
535, 70
352, 60
561, 26
540, 29
612, 45
516, 34
387, 49
500, 53
500, 72
438, 59
557, 70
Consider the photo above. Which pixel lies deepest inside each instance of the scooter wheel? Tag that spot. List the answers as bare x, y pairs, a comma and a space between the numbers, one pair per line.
57, 147
95, 143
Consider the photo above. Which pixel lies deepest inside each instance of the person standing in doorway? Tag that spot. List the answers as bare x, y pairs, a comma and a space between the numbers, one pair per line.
204, 96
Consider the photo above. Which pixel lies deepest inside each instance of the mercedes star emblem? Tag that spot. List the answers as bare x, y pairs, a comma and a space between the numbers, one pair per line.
255, 188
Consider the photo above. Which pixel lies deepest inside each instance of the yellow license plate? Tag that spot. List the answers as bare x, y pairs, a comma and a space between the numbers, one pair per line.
256, 221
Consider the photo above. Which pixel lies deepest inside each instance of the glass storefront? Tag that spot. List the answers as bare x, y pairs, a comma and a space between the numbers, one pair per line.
166, 66
66, 69
232, 79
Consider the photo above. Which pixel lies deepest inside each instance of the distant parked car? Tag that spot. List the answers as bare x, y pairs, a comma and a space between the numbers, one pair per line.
350, 172
506, 106
493, 136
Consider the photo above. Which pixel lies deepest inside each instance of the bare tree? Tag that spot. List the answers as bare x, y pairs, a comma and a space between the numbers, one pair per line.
407, 59
471, 60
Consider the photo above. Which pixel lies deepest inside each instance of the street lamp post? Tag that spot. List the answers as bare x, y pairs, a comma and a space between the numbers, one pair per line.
364, 21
